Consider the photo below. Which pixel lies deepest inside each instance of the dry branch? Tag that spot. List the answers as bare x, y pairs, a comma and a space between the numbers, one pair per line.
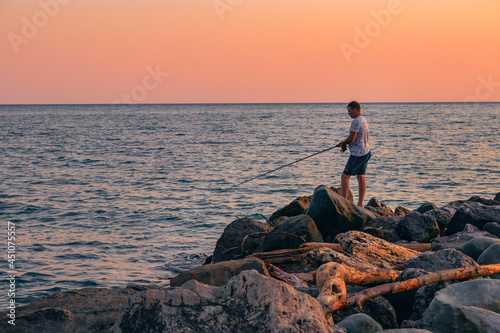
420, 247
395, 287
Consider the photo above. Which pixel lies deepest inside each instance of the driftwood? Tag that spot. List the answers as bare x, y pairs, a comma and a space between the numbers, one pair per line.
287, 256
395, 287
289, 278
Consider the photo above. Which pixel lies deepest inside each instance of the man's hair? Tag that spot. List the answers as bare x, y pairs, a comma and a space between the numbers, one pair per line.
354, 105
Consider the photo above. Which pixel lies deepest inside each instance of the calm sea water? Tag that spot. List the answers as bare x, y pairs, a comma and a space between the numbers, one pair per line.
107, 195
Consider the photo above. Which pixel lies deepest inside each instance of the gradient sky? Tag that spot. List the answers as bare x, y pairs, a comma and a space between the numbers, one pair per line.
231, 51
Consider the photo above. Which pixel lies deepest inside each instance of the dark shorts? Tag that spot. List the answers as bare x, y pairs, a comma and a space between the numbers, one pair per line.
356, 165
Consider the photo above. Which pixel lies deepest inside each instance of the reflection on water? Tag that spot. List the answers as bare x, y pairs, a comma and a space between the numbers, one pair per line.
111, 195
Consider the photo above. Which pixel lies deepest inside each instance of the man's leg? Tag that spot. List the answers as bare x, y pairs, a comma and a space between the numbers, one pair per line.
344, 185
362, 189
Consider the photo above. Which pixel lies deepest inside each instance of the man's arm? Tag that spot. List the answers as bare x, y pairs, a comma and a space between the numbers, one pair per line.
352, 136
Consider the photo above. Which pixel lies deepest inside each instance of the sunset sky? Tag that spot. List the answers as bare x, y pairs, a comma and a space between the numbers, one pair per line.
248, 51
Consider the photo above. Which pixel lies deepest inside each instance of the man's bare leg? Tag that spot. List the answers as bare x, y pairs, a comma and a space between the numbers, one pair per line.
344, 185
362, 189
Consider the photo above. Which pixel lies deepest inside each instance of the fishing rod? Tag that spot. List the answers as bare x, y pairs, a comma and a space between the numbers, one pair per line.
281, 167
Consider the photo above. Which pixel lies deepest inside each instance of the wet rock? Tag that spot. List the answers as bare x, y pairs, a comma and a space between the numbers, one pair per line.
490, 256
230, 245
446, 312
287, 234
383, 227
435, 261
360, 323
401, 211
418, 227
374, 250
250, 302
83, 310
219, 274
427, 206
473, 213
334, 214
296, 207
458, 240
493, 228
476, 246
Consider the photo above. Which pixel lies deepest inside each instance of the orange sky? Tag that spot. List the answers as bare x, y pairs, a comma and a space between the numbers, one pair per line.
225, 51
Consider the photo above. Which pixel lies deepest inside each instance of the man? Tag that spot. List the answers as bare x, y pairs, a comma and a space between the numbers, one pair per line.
359, 149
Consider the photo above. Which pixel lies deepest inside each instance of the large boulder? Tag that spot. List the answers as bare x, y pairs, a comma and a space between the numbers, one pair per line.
294, 208
374, 251
320, 256
443, 218
474, 213
83, 310
418, 227
497, 197
378, 207
446, 313
458, 240
435, 261
250, 302
360, 323
219, 274
334, 214
384, 227
291, 233
476, 246
234, 242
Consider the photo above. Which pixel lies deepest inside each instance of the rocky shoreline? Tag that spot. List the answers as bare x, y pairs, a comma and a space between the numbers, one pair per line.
299, 271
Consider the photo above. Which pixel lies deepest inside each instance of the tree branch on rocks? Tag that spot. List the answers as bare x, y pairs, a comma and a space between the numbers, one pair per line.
335, 299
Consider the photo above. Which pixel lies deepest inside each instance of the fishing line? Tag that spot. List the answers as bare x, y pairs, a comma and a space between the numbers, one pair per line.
278, 168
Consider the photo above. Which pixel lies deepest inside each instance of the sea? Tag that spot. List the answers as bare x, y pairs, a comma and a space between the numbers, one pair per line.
118, 195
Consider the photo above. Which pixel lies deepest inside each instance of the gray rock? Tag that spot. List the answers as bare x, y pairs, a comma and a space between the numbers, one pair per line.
418, 227
446, 312
230, 245
473, 213
378, 308
296, 207
83, 310
484, 201
493, 228
383, 227
489, 321
490, 256
443, 218
287, 234
497, 197
401, 211
250, 302
220, 273
435, 261
333, 214
476, 246
424, 297
379, 207
427, 206
458, 240
360, 323
403, 301
452, 207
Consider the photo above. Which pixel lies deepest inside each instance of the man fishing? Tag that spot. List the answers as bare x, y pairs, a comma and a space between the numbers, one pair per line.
359, 149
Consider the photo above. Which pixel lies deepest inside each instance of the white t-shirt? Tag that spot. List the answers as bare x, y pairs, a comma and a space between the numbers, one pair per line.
359, 146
